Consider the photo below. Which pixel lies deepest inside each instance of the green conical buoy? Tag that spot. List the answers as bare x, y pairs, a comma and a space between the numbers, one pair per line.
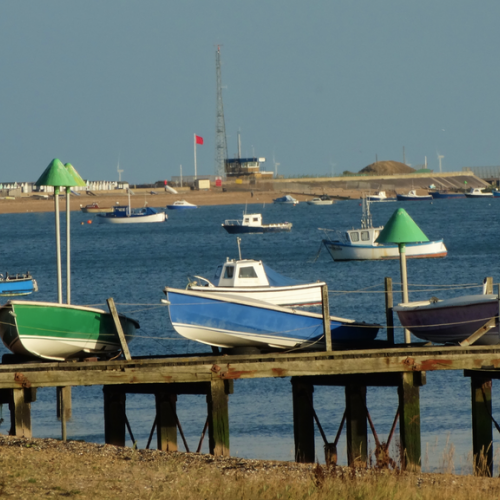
56, 174
76, 176
401, 228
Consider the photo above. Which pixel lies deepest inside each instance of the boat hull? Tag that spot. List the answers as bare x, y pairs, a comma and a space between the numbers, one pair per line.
133, 219
299, 295
346, 251
181, 207
228, 322
453, 196
405, 197
452, 320
322, 202
265, 228
17, 287
59, 331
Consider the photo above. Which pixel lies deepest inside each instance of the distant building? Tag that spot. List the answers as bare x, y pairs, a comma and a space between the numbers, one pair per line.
245, 167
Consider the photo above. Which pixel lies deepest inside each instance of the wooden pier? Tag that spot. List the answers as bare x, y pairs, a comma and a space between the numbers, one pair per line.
402, 367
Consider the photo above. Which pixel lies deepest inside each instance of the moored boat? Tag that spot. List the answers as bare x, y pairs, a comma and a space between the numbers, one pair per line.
227, 322
451, 320
478, 193
437, 195
321, 200
379, 196
60, 331
413, 196
17, 284
181, 205
286, 200
252, 223
360, 244
126, 215
253, 279
94, 208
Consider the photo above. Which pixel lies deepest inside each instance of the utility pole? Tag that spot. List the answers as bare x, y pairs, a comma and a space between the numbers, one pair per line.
220, 125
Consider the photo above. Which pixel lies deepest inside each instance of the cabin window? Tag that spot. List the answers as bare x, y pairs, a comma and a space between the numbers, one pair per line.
247, 219
256, 219
247, 272
365, 236
354, 237
217, 272
229, 272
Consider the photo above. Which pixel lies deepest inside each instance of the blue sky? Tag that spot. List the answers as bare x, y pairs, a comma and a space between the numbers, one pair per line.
325, 86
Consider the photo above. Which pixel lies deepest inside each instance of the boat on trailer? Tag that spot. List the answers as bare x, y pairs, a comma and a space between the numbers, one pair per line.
360, 244
230, 321
58, 332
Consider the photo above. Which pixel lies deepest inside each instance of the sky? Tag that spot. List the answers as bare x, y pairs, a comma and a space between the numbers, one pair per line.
322, 87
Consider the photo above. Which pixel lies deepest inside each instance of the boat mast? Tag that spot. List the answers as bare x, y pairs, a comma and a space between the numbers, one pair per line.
220, 125
366, 219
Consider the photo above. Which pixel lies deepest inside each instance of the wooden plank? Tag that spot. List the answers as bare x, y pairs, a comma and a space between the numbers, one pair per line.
482, 433
356, 426
389, 313
479, 333
119, 329
166, 421
303, 420
218, 418
326, 317
409, 423
64, 396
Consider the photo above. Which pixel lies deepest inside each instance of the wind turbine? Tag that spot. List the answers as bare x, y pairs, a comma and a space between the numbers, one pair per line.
276, 165
333, 167
119, 171
440, 157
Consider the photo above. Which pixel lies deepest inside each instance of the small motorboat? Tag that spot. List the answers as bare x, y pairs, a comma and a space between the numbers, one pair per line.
228, 321
379, 196
94, 208
253, 279
359, 244
321, 200
413, 196
181, 205
252, 223
126, 215
12, 285
286, 200
451, 320
478, 193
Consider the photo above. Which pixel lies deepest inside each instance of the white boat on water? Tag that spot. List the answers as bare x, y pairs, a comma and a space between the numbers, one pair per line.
321, 200
359, 244
478, 193
252, 223
379, 196
253, 279
413, 196
181, 205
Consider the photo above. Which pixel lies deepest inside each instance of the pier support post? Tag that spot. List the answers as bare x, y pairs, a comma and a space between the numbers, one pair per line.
482, 435
64, 396
409, 421
114, 416
356, 426
20, 412
389, 313
166, 422
218, 417
303, 420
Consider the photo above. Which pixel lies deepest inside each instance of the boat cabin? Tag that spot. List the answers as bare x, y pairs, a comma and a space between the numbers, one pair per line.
364, 236
252, 220
241, 273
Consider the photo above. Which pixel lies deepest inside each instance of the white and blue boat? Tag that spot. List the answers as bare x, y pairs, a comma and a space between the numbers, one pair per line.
286, 200
12, 285
413, 196
229, 321
126, 215
181, 205
252, 223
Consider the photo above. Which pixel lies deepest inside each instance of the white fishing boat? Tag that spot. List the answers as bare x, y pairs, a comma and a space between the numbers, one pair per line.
413, 196
253, 279
321, 200
379, 196
129, 215
252, 223
478, 193
360, 244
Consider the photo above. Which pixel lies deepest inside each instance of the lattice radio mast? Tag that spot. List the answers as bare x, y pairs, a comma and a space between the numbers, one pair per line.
220, 125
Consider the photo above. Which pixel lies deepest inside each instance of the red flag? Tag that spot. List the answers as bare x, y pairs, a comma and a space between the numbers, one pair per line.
199, 140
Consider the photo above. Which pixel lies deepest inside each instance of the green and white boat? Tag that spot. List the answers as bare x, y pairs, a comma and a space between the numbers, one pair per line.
60, 331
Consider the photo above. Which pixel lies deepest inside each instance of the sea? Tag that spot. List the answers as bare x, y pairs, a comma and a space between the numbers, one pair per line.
134, 262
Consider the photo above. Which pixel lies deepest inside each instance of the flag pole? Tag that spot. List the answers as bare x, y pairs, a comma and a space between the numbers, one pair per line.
195, 173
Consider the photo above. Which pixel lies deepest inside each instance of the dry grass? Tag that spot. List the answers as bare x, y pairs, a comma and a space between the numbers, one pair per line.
45, 468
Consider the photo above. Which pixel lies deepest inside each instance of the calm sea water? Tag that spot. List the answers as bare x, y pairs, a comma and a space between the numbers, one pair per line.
132, 264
